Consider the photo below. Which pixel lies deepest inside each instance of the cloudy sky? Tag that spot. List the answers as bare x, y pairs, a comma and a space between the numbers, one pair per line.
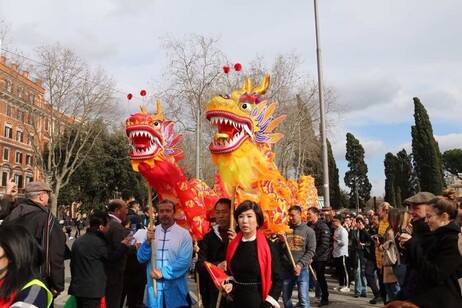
377, 54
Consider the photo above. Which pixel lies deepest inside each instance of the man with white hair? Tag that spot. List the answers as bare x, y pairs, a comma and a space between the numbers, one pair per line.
34, 214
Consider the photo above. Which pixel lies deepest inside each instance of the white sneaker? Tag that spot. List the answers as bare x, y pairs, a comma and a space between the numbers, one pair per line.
337, 288
345, 289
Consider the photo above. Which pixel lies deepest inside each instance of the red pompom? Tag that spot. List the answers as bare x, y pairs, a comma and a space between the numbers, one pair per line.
143, 92
129, 96
226, 69
237, 66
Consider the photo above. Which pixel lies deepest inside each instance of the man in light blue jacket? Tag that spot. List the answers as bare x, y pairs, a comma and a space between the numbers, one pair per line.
173, 247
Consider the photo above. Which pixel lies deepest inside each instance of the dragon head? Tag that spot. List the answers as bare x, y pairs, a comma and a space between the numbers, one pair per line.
151, 137
242, 116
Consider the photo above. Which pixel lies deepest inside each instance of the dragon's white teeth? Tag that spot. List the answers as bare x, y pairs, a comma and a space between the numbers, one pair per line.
247, 130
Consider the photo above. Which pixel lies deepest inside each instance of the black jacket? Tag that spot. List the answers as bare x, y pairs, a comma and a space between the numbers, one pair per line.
7, 204
89, 254
213, 250
422, 234
114, 237
439, 267
33, 216
323, 237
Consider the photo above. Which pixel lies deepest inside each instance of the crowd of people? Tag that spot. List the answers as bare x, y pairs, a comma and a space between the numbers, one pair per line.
408, 255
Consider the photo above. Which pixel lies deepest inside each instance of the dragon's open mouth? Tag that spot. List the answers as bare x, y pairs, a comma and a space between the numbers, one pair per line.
144, 144
232, 131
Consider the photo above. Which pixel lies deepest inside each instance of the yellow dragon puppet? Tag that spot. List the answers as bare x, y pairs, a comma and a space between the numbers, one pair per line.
154, 155
241, 150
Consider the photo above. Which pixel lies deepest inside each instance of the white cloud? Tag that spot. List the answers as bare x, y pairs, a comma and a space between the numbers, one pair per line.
450, 141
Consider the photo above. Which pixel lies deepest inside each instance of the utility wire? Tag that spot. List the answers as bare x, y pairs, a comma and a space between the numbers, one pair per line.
64, 72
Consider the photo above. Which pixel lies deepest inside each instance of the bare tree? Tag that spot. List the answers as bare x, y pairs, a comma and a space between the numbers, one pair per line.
297, 96
194, 74
66, 128
191, 76
14, 55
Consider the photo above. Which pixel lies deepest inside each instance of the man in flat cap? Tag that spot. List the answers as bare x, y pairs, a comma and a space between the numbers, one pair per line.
418, 209
34, 214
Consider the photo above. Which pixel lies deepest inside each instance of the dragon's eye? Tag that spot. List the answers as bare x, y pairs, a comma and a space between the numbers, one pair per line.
156, 123
246, 107
226, 96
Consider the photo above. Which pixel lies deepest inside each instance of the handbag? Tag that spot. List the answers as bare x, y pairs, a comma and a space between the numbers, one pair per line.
389, 253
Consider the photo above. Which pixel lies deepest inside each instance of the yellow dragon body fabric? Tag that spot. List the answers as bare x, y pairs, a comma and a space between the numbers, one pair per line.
241, 150
154, 154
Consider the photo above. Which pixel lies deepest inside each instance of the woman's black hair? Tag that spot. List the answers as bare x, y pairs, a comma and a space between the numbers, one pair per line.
24, 255
250, 205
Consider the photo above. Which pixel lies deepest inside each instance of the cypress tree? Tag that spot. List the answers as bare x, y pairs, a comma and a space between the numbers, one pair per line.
334, 185
427, 156
357, 175
405, 177
390, 180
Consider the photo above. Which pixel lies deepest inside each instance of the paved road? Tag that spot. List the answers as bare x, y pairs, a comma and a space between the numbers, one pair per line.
336, 299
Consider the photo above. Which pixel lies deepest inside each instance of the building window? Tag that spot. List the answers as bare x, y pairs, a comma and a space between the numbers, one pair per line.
29, 178
20, 116
9, 110
19, 135
20, 91
47, 123
8, 132
4, 178
18, 158
30, 119
29, 159
9, 86
18, 180
6, 154
31, 98
30, 139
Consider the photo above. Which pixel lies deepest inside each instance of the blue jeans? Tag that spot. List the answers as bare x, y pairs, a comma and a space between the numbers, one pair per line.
392, 290
360, 277
302, 283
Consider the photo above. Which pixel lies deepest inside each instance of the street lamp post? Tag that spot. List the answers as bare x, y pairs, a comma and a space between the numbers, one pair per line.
325, 162
357, 196
356, 179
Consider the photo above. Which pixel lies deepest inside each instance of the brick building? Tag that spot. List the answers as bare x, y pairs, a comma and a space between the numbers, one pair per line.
22, 106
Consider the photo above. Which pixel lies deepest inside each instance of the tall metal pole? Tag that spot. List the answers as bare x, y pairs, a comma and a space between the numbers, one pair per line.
357, 195
325, 161
198, 143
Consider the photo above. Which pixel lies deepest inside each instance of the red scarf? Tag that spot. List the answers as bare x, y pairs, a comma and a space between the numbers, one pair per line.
263, 255
3, 302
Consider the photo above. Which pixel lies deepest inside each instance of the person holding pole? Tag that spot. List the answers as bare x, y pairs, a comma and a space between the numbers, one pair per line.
213, 249
173, 254
297, 251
